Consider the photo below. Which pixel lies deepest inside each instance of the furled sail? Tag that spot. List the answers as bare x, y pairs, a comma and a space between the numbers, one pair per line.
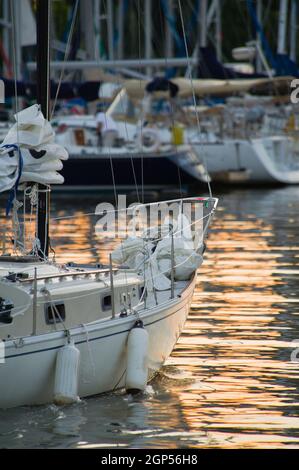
28, 153
153, 254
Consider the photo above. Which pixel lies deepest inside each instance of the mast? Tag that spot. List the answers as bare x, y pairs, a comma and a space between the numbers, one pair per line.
97, 27
5, 35
120, 28
148, 33
259, 14
17, 33
218, 28
203, 23
283, 13
86, 20
169, 36
293, 30
43, 97
110, 29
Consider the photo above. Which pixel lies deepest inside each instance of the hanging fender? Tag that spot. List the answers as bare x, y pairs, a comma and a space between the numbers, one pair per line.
66, 375
137, 358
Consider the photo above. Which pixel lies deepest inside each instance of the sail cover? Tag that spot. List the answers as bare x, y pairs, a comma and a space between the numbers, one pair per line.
152, 254
28, 153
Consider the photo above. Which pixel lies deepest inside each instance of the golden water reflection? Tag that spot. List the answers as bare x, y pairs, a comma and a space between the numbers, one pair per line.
238, 340
230, 382
242, 389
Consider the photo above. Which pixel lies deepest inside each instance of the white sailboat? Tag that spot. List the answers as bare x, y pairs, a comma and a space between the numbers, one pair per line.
140, 138
228, 148
269, 159
234, 145
70, 332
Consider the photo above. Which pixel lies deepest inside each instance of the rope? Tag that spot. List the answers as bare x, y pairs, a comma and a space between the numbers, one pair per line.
32, 193
16, 227
13, 192
54, 309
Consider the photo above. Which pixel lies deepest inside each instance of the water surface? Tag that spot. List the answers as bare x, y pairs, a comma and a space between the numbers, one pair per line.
230, 381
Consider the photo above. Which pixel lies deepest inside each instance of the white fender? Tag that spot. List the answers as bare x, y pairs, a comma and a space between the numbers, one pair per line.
137, 359
66, 375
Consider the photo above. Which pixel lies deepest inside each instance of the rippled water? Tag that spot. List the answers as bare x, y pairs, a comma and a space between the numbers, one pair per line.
230, 381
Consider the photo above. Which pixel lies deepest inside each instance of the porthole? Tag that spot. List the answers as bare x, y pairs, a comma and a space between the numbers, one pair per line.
106, 302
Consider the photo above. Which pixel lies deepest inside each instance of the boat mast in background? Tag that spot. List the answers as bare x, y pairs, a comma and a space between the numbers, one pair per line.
218, 33
293, 31
169, 43
203, 23
110, 29
43, 98
148, 34
282, 24
259, 14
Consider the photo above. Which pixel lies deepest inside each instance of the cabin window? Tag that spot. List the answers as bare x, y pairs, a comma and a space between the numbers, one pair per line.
106, 302
55, 313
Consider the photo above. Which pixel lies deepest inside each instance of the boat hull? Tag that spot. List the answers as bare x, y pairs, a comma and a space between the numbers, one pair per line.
268, 160
150, 170
27, 376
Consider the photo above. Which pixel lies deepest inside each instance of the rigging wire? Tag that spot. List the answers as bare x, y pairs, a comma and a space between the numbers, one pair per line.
156, 42
66, 55
131, 157
193, 91
109, 149
172, 108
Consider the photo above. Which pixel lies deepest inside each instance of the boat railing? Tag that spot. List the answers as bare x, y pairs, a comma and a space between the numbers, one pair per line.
72, 274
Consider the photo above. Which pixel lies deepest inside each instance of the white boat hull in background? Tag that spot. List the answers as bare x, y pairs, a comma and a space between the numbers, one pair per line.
263, 160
